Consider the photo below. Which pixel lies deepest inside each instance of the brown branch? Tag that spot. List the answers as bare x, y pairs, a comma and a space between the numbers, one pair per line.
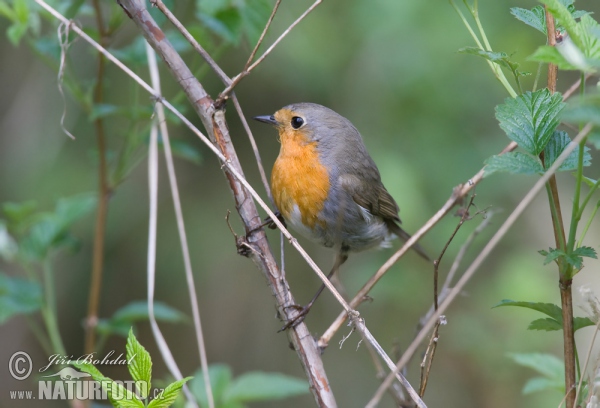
565, 280
104, 191
247, 69
214, 121
226, 81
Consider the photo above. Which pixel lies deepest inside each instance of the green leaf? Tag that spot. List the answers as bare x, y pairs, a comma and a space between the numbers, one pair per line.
499, 58
582, 110
18, 296
551, 55
536, 17
124, 318
556, 145
552, 255
226, 23
254, 15
531, 118
16, 32
581, 322
17, 213
546, 364
259, 386
588, 252
51, 230
118, 395
547, 324
537, 384
513, 162
549, 309
220, 379
169, 394
140, 365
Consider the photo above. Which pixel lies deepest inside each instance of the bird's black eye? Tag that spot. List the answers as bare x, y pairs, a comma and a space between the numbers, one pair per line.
297, 122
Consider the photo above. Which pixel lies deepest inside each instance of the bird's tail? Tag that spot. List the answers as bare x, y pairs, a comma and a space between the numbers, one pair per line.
405, 236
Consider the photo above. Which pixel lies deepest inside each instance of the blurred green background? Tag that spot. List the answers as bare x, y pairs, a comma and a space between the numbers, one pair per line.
427, 117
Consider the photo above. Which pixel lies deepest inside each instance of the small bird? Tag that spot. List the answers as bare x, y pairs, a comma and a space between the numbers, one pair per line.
328, 188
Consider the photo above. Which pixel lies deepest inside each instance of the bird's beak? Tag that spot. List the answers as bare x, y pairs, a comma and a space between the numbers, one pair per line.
267, 119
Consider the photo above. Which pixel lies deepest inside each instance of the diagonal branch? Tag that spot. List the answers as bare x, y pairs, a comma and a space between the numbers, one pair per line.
512, 218
247, 69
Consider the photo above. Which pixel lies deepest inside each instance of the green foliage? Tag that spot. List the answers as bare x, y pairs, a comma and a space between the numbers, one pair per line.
140, 368
34, 235
574, 258
18, 296
513, 162
531, 119
554, 322
249, 387
231, 20
499, 58
136, 311
549, 366
556, 145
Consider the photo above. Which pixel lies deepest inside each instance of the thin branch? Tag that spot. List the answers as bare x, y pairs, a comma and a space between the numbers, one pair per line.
104, 191
249, 69
262, 36
493, 242
226, 81
155, 77
587, 360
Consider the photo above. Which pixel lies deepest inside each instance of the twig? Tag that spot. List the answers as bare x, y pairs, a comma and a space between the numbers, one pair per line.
262, 35
587, 360
479, 260
162, 121
433, 341
151, 272
457, 195
226, 81
246, 71
104, 191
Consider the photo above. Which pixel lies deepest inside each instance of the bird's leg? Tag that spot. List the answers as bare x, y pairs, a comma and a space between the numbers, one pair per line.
340, 258
268, 222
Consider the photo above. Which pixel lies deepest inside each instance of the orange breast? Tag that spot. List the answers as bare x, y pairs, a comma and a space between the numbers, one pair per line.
298, 178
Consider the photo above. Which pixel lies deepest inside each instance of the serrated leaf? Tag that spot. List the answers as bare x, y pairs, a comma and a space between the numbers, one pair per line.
531, 118
169, 394
588, 252
18, 296
551, 255
556, 145
549, 309
140, 365
536, 17
546, 324
513, 162
259, 386
118, 395
220, 379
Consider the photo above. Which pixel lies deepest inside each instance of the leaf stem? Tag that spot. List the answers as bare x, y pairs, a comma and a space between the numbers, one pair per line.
49, 310
587, 225
496, 69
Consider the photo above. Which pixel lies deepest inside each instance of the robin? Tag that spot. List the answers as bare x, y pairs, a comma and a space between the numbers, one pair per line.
328, 188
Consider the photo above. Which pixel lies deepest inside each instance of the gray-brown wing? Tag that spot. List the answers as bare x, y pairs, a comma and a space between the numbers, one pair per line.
371, 195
